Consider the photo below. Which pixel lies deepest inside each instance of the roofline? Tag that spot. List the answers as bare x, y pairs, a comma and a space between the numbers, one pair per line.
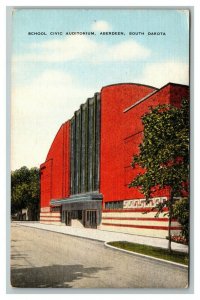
129, 83
153, 93
87, 100
173, 83
61, 126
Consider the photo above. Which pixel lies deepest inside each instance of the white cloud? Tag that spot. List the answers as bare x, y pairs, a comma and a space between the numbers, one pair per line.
65, 49
159, 74
126, 51
81, 48
101, 26
38, 110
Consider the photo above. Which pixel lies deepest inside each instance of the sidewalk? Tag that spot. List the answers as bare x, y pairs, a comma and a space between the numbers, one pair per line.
105, 236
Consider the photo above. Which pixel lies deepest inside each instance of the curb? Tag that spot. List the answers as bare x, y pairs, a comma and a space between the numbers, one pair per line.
146, 256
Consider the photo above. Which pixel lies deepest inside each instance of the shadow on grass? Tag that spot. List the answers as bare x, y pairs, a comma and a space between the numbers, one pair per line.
55, 276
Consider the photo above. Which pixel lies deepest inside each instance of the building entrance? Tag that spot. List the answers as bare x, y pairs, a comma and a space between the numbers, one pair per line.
91, 218
82, 210
88, 218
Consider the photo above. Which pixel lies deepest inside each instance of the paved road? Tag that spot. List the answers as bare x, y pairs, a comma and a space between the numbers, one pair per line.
46, 259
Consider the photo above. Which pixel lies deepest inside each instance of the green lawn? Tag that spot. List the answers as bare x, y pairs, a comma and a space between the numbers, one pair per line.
174, 256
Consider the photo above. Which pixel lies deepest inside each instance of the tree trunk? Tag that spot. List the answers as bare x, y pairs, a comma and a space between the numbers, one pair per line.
170, 221
169, 232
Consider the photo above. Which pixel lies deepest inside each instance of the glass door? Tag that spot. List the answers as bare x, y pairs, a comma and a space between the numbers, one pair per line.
91, 218
68, 218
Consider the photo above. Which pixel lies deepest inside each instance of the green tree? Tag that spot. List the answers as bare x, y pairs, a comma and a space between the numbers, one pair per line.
164, 155
181, 213
25, 191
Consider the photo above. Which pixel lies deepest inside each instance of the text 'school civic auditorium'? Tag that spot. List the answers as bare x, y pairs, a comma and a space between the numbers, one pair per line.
84, 180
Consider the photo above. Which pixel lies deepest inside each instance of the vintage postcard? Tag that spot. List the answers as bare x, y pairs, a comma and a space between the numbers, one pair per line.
100, 148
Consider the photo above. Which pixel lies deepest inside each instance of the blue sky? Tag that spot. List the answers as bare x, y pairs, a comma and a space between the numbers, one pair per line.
53, 75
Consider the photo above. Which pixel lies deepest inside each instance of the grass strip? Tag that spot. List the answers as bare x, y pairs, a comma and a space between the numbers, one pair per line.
175, 256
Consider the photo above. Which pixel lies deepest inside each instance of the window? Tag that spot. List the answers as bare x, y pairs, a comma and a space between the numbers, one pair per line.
114, 205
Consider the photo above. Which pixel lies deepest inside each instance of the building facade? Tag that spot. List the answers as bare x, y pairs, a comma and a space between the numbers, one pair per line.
85, 178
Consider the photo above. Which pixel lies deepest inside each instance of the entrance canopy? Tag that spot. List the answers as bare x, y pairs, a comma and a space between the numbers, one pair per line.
81, 202
78, 198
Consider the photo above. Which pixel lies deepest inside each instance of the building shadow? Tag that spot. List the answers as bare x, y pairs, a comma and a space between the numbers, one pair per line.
55, 276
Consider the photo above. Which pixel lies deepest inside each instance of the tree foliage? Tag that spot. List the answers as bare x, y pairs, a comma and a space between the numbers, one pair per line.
164, 153
181, 213
25, 190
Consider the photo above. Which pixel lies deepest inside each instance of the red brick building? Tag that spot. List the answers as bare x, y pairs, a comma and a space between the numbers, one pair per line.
84, 180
